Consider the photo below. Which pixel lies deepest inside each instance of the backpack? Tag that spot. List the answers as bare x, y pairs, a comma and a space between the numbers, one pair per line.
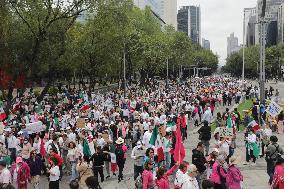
269, 157
119, 153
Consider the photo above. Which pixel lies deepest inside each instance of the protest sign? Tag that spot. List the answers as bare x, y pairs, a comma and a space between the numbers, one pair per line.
273, 109
35, 127
105, 137
162, 131
226, 132
80, 123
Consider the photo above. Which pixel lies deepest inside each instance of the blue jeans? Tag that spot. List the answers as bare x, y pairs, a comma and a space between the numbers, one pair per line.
167, 160
74, 173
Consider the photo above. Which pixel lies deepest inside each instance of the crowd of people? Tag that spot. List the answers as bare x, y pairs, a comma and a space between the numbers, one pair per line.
85, 136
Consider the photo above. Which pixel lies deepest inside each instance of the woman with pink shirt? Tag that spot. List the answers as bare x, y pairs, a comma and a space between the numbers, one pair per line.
162, 180
218, 175
234, 175
147, 175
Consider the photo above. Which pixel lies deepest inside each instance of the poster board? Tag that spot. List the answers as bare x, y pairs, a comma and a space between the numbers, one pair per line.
80, 123
274, 109
35, 127
105, 137
162, 131
226, 132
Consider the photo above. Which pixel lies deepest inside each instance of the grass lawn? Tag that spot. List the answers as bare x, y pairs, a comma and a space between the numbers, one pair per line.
246, 105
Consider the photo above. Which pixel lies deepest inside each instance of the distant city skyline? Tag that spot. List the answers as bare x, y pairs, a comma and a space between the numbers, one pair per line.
220, 18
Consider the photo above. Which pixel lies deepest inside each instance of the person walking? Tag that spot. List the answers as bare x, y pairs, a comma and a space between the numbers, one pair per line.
180, 174
120, 153
272, 151
84, 171
162, 180
147, 175
190, 181
234, 175
98, 163
219, 174
54, 174
5, 175
72, 157
35, 165
138, 153
20, 172
278, 177
205, 136
199, 160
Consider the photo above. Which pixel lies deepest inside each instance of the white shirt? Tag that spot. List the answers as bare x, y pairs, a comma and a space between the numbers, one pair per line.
72, 136
5, 176
251, 138
207, 116
180, 178
189, 183
146, 139
54, 173
12, 141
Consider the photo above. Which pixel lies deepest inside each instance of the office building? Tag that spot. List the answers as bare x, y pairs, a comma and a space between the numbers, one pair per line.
280, 24
232, 44
249, 26
195, 24
153, 4
205, 43
183, 20
168, 12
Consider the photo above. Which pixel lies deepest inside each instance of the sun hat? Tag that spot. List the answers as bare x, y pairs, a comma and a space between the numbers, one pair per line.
119, 140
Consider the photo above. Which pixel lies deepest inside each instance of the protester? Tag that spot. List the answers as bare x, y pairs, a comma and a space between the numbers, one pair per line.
199, 160
272, 152
138, 153
72, 156
35, 165
120, 153
190, 181
84, 171
205, 136
5, 175
147, 175
251, 147
180, 174
278, 177
219, 174
20, 172
54, 174
98, 163
162, 180
234, 176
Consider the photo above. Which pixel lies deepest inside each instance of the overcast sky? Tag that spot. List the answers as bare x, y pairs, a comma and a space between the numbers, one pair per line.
219, 18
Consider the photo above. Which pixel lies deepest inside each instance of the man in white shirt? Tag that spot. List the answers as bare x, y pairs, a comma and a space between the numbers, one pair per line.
12, 143
207, 116
71, 136
146, 138
190, 181
5, 175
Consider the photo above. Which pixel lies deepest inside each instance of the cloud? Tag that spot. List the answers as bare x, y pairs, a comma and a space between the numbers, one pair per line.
219, 18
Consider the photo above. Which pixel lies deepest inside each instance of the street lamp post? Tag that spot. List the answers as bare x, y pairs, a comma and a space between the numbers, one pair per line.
262, 54
243, 70
124, 71
167, 81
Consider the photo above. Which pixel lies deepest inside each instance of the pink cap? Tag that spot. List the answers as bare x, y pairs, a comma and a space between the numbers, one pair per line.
19, 160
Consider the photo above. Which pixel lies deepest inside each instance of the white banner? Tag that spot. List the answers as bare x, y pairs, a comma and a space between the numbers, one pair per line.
35, 127
273, 109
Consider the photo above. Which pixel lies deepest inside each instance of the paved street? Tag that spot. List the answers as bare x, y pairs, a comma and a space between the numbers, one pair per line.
255, 177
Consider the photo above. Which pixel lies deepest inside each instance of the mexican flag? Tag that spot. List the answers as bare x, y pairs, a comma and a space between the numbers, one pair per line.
155, 140
2, 114
229, 122
253, 124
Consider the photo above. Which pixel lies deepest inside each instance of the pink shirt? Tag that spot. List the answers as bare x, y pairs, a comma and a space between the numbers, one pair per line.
147, 178
215, 176
163, 183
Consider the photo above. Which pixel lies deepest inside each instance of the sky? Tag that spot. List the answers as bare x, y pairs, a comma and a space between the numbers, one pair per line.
219, 18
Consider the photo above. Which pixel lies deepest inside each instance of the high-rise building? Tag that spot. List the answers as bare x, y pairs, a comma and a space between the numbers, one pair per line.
280, 24
232, 44
250, 26
271, 19
205, 43
153, 4
195, 23
189, 21
183, 20
168, 12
